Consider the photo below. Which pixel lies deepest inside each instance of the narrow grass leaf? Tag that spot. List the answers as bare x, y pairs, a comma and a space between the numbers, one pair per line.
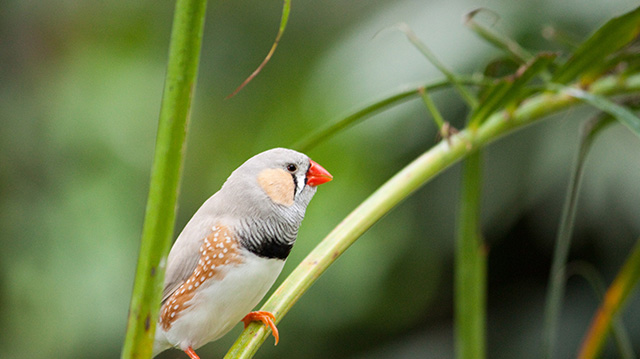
618, 330
588, 59
613, 302
286, 9
367, 111
620, 113
450, 75
555, 289
504, 43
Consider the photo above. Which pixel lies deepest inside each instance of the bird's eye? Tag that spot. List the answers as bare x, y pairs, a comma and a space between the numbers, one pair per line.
292, 168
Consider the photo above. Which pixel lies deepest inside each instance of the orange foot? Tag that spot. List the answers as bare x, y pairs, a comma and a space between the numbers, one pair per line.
266, 318
192, 354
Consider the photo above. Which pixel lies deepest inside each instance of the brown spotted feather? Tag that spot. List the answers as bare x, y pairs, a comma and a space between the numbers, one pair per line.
218, 249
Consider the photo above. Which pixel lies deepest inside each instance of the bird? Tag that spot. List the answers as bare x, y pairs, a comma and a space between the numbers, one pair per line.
233, 248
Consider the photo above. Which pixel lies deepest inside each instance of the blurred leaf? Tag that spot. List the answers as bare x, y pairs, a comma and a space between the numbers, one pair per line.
555, 290
504, 66
595, 279
588, 60
620, 113
369, 110
509, 46
450, 75
286, 9
509, 89
614, 300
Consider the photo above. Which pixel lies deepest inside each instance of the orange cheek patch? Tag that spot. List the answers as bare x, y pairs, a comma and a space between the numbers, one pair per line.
278, 185
219, 249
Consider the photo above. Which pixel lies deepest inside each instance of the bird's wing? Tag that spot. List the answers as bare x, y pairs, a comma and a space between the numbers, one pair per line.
184, 256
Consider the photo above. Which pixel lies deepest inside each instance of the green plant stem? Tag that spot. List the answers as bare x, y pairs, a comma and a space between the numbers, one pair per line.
157, 231
470, 266
400, 186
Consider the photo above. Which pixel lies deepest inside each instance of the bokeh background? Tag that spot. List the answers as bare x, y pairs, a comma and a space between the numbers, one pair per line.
80, 89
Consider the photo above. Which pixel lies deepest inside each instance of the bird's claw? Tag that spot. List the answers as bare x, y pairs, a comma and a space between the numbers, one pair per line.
267, 318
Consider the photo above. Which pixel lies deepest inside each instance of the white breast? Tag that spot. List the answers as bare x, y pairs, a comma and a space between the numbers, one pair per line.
220, 304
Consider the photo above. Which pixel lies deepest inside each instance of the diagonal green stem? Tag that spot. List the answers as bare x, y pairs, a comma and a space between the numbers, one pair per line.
400, 186
182, 68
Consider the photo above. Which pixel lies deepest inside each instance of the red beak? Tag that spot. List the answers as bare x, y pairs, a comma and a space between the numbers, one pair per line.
316, 175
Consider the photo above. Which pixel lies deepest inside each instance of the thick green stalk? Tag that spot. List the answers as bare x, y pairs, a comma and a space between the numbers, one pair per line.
182, 67
400, 186
470, 266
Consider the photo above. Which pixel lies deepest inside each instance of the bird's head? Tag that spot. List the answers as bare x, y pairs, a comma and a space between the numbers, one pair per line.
278, 182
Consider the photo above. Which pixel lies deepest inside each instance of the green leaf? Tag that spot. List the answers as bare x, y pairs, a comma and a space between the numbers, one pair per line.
614, 300
555, 291
286, 9
369, 110
509, 89
620, 113
450, 75
588, 60
509, 46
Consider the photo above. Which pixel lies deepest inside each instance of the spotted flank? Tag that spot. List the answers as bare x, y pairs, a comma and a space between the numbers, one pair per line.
219, 249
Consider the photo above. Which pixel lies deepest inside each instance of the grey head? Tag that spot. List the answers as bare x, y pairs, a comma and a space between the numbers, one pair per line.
268, 196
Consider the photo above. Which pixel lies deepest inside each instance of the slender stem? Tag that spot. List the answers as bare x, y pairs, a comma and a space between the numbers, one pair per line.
470, 262
498, 40
182, 67
431, 106
395, 99
555, 290
400, 186
450, 75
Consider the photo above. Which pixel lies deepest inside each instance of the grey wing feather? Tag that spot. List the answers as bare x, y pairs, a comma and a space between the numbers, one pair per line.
185, 253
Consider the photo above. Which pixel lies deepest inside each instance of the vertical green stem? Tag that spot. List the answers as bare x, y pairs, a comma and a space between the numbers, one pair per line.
470, 266
182, 67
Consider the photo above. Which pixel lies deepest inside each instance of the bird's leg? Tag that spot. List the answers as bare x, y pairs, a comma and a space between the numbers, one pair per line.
266, 318
191, 353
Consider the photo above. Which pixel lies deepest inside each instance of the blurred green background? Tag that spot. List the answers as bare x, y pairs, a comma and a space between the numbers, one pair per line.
80, 89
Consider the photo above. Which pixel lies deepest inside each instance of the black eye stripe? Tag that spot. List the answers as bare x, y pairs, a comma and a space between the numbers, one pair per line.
295, 185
